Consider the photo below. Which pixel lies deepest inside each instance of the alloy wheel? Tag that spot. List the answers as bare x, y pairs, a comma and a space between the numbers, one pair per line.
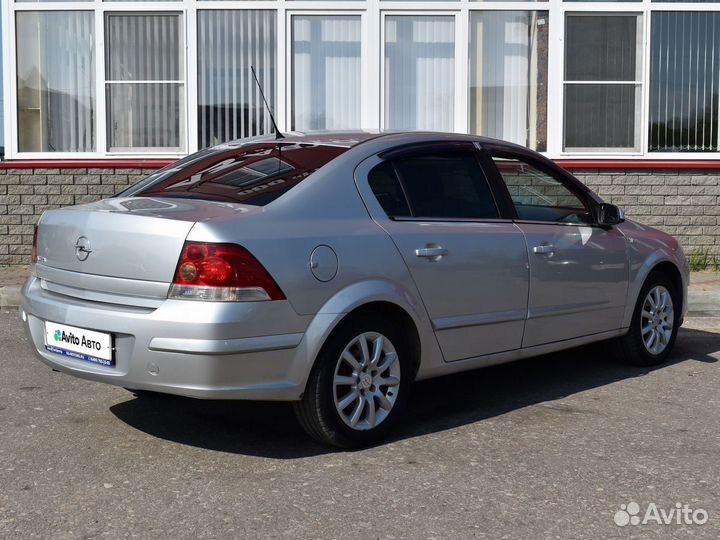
657, 320
366, 381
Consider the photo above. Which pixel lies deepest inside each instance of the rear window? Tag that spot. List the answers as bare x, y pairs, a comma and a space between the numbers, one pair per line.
447, 185
256, 174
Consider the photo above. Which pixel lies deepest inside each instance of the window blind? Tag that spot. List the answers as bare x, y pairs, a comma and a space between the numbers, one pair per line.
229, 102
419, 72
326, 72
56, 81
508, 76
144, 81
684, 81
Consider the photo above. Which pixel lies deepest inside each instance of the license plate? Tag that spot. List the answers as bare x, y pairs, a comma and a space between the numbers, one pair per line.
80, 344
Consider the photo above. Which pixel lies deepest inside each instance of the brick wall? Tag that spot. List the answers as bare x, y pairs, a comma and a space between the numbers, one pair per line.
682, 202
26, 193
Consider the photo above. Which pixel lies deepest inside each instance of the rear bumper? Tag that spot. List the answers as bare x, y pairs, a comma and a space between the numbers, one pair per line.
196, 349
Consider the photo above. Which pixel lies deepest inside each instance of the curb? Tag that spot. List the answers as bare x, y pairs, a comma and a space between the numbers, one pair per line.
10, 296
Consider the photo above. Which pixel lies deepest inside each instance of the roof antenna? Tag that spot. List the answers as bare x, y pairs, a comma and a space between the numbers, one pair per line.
278, 134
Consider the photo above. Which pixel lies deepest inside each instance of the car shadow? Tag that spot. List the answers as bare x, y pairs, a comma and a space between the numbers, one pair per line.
270, 429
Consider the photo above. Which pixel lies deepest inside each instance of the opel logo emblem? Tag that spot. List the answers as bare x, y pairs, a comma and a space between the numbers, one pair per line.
82, 248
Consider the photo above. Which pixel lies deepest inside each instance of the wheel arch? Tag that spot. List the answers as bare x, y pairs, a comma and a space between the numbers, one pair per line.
658, 263
395, 313
379, 296
673, 272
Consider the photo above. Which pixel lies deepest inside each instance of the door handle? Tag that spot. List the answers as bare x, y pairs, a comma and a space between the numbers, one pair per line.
544, 249
434, 253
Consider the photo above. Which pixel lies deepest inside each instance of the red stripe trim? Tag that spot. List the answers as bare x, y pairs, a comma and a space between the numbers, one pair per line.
638, 164
159, 163
86, 164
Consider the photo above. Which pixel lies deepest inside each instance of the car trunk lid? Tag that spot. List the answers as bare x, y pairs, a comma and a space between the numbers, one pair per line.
128, 238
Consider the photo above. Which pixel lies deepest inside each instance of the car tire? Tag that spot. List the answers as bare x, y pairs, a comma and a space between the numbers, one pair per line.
342, 383
633, 348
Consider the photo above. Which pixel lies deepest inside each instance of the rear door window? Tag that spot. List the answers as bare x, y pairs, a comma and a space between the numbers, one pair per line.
442, 185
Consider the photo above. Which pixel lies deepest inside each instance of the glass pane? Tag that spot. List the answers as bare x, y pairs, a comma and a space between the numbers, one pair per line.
508, 76
601, 116
387, 190
229, 102
144, 47
55, 81
446, 186
145, 115
538, 196
601, 48
255, 174
146, 110
2, 106
419, 72
326, 72
684, 81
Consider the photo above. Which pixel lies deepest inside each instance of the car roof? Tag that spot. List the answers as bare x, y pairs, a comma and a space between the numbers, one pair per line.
348, 139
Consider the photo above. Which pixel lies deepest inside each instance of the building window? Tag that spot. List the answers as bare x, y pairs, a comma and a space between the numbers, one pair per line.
508, 76
55, 81
165, 79
145, 90
229, 102
603, 67
326, 83
419, 72
2, 105
684, 81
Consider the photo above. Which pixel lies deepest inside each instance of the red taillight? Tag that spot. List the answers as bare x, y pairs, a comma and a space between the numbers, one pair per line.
34, 252
222, 272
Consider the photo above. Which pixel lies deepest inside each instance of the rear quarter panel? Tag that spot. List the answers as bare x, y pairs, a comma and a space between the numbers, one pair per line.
327, 210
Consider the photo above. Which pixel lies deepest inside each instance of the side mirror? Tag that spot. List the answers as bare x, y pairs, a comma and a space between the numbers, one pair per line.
607, 215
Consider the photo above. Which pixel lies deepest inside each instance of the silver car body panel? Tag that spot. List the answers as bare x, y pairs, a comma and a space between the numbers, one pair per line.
647, 248
480, 311
501, 302
579, 287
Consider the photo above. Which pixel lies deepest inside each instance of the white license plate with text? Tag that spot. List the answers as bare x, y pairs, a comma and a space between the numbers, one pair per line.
80, 344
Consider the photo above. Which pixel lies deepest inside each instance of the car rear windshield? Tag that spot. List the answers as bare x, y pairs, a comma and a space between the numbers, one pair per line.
255, 174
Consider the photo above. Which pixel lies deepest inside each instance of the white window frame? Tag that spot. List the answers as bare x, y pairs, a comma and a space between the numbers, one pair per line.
638, 83
540, 6
143, 150
350, 12
461, 62
372, 13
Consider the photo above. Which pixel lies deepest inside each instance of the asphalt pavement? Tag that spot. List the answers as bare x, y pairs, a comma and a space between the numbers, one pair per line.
545, 448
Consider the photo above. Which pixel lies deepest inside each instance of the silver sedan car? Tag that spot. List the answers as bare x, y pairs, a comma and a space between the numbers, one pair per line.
332, 270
